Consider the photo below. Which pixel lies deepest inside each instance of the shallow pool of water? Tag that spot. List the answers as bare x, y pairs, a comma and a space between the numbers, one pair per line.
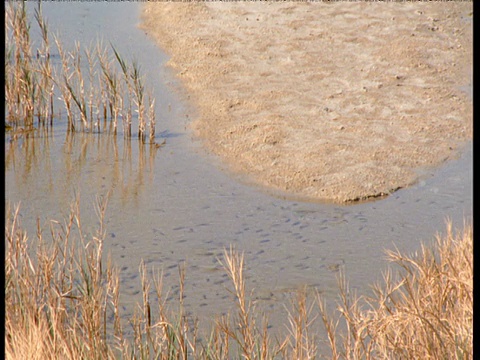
176, 204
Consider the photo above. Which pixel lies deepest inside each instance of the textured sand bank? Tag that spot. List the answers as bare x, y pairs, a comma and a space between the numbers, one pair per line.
327, 101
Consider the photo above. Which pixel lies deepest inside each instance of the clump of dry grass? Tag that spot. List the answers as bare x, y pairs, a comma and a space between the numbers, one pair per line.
55, 297
424, 311
95, 93
63, 301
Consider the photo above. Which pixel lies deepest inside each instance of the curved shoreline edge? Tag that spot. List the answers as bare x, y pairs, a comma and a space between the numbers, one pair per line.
329, 102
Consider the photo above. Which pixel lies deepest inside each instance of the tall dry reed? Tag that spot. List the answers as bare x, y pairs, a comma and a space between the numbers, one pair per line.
63, 301
88, 89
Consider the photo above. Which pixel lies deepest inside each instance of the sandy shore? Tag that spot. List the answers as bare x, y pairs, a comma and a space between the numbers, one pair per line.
325, 101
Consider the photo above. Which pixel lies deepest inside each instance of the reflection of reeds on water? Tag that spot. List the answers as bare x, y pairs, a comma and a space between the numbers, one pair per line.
39, 161
82, 91
96, 89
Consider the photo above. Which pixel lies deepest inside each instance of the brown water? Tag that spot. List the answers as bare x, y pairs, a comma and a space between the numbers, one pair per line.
175, 203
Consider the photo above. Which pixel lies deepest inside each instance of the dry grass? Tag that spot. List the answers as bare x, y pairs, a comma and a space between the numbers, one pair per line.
97, 88
423, 311
62, 301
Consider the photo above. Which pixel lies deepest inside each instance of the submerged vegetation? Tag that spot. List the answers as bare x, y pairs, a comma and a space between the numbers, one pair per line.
93, 88
63, 301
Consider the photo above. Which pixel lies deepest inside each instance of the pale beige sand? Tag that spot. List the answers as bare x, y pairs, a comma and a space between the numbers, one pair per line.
327, 101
